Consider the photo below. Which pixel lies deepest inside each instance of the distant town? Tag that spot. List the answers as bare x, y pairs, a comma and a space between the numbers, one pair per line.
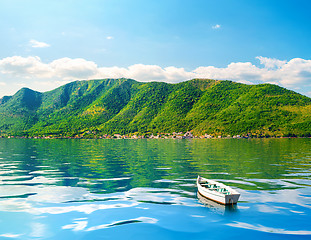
174, 135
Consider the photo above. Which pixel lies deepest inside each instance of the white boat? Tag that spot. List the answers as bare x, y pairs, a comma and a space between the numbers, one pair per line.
216, 191
217, 207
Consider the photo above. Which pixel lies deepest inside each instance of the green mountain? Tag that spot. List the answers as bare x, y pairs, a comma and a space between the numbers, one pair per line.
125, 106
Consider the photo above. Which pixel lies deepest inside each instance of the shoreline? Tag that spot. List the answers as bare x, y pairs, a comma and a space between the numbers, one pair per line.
180, 135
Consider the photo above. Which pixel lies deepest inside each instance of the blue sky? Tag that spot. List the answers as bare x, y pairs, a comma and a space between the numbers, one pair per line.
45, 44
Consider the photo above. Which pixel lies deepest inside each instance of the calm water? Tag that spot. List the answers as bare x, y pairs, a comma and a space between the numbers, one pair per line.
145, 189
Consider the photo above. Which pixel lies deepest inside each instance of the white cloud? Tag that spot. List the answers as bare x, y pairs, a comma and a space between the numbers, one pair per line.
217, 26
67, 68
36, 44
27, 67
271, 62
234, 71
294, 74
296, 71
109, 37
147, 73
246, 82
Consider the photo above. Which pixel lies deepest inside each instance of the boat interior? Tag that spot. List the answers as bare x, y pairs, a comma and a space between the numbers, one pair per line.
214, 187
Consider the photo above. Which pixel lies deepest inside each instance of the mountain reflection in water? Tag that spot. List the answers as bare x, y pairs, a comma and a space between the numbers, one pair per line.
88, 189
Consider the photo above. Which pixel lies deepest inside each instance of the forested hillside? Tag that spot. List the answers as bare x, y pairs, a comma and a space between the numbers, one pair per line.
124, 106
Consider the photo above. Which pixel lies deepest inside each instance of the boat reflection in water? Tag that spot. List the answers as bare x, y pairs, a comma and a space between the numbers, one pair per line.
217, 207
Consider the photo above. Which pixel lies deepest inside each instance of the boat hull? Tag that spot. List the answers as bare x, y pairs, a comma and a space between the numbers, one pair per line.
216, 196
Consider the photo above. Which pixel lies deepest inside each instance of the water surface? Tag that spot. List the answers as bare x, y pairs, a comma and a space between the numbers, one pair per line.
138, 189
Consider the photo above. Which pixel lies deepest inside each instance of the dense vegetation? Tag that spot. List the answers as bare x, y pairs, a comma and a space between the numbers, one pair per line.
124, 106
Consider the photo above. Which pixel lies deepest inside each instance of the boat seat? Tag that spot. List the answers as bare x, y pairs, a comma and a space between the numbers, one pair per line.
222, 190
204, 184
208, 185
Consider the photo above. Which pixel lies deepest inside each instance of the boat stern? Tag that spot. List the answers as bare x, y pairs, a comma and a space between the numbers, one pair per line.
232, 199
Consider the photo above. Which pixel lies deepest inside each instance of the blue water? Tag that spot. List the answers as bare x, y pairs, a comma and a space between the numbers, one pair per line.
145, 189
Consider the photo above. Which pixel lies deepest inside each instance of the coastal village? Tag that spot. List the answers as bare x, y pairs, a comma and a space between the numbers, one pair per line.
174, 135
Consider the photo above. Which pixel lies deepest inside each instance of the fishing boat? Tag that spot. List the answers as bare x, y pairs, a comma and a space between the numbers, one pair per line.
216, 191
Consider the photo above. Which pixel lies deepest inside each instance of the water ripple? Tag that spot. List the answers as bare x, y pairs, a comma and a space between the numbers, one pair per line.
262, 228
123, 222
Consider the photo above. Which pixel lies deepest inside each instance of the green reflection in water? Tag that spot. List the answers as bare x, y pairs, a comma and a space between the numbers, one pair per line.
119, 165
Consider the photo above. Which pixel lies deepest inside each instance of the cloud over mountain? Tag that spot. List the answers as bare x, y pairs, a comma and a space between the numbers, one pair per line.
295, 73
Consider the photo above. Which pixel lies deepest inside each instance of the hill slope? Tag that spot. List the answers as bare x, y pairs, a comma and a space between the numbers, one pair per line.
123, 106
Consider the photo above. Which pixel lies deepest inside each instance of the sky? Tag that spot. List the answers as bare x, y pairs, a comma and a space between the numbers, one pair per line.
46, 44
